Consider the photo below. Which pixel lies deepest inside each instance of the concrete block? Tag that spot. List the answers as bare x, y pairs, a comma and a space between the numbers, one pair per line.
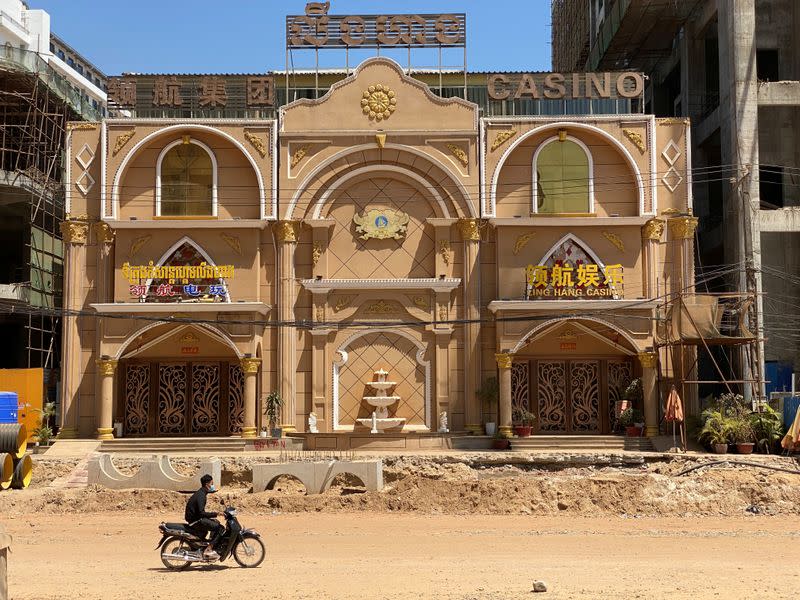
317, 476
155, 473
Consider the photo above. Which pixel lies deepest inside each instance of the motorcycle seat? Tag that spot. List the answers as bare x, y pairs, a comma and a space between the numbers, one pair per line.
182, 528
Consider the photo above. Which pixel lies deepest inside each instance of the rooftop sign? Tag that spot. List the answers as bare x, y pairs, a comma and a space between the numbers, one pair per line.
571, 86
318, 29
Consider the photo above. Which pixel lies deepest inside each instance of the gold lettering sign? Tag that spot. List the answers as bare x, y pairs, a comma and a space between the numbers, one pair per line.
568, 281
574, 86
381, 224
175, 273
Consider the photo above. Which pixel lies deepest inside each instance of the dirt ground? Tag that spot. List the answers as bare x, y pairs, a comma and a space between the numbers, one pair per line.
482, 526
110, 556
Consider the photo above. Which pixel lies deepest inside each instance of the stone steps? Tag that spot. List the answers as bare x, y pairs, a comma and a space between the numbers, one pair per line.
581, 442
173, 445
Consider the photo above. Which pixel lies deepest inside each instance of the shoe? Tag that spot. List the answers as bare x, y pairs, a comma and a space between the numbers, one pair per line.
210, 555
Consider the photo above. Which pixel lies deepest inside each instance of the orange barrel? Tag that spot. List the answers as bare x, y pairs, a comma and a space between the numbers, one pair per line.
13, 439
6, 470
23, 471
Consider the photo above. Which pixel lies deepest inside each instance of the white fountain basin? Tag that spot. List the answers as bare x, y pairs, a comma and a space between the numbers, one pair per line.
381, 385
382, 424
379, 401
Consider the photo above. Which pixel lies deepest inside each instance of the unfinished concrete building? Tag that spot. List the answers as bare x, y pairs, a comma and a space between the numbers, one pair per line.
732, 67
43, 85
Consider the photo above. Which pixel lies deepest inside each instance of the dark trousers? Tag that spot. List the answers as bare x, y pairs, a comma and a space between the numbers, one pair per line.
203, 526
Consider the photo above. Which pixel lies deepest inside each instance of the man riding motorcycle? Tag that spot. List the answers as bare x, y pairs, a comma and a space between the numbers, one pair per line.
202, 521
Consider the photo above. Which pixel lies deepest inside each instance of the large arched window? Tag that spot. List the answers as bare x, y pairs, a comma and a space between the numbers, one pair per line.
186, 180
562, 177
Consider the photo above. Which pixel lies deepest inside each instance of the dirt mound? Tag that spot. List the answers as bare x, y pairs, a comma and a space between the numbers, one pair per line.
418, 484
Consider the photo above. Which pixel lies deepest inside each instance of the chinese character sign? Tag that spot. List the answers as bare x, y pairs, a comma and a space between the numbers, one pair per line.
564, 280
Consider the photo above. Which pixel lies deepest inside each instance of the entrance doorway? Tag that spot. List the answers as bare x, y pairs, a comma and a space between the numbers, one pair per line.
570, 396
182, 398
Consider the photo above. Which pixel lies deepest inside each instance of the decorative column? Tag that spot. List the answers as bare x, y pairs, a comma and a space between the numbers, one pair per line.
504, 360
648, 361
681, 229
470, 234
74, 234
105, 429
286, 235
651, 237
103, 281
250, 368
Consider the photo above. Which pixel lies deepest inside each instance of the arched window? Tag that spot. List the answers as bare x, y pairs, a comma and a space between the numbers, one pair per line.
562, 178
186, 180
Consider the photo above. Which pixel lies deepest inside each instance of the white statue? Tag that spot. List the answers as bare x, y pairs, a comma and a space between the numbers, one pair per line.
312, 423
443, 422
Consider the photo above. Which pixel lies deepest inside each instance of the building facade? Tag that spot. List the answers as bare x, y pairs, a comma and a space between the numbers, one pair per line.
378, 228
733, 68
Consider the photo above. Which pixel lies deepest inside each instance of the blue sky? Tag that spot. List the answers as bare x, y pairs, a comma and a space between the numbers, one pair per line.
239, 36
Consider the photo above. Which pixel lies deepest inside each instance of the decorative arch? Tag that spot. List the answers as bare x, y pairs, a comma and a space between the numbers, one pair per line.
185, 127
377, 169
301, 189
209, 330
561, 125
586, 248
541, 328
535, 171
342, 360
186, 240
214, 174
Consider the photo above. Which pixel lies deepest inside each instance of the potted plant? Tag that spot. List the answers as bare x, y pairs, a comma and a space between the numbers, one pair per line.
273, 403
631, 419
742, 434
523, 421
44, 433
716, 429
767, 428
500, 443
489, 392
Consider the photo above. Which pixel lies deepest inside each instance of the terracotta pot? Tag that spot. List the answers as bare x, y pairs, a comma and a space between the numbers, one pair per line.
633, 431
720, 448
501, 444
522, 430
744, 448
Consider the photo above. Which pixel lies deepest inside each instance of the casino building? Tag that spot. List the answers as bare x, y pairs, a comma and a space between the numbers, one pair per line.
381, 227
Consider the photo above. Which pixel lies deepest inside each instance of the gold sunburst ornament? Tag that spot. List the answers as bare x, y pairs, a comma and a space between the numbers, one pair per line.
378, 102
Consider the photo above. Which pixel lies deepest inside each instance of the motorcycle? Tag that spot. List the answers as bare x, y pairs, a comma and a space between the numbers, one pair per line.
181, 546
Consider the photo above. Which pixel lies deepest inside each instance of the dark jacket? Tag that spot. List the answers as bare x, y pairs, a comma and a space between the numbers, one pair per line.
196, 507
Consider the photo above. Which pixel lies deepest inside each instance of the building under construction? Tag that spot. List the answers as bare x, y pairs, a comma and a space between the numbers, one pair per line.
36, 102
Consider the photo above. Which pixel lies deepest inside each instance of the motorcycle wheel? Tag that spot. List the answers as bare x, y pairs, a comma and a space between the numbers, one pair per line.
174, 546
249, 553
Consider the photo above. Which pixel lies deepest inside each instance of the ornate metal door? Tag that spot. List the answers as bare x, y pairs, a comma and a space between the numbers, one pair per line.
182, 398
569, 395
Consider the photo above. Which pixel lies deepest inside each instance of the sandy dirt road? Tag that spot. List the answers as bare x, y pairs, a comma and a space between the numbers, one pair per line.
110, 556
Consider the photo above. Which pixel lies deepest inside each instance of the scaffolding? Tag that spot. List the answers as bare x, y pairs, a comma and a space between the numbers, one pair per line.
35, 105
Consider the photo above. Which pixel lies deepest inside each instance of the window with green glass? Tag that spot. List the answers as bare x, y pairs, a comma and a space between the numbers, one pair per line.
562, 178
187, 182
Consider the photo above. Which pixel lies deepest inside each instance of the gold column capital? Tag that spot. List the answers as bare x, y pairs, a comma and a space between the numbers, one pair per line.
653, 230
286, 231
103, 232
682, 228
250, 365
648, 360
504, 359
74, 232
470, 230
107, 366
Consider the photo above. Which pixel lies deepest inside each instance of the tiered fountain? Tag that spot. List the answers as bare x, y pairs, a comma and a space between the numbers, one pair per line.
380, 418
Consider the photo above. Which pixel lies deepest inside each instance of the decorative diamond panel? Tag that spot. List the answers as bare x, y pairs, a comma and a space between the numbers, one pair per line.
352, 258
672, 179
671, 152
85, 156
394, 354
84, 181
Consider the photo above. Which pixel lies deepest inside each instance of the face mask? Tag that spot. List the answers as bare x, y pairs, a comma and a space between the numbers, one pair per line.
213, 488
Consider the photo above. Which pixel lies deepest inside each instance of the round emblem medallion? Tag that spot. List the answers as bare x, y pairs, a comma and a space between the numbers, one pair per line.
381, 221
378, 102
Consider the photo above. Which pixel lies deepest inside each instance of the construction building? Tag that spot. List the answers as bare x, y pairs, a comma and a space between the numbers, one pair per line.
44, 84
731, 67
